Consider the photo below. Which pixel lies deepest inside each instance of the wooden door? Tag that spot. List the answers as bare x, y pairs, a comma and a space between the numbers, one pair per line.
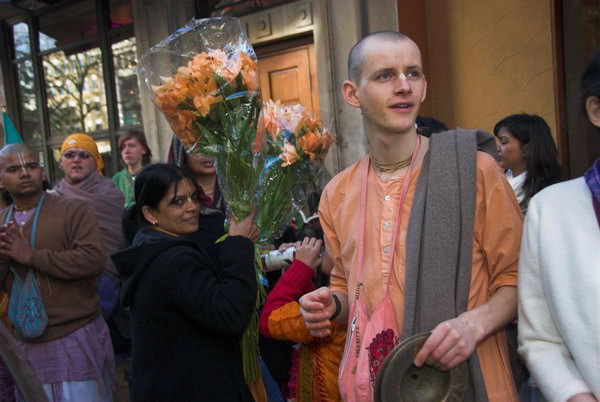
290, 76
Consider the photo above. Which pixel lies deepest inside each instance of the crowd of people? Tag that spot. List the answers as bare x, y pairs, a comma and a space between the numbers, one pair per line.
132, 288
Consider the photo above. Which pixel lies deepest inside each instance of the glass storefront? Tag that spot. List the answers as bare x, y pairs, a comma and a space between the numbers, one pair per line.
126, 80
75, 92
62, 86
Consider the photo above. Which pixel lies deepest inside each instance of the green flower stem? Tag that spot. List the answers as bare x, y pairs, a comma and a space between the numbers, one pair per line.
285, 190
227, 133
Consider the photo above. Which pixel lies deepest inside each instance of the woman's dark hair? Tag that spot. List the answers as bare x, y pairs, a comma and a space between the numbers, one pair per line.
590, 81
151, 186
141, 138
541, 155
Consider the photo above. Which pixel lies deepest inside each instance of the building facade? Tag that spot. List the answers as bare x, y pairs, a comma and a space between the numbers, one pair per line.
69, 65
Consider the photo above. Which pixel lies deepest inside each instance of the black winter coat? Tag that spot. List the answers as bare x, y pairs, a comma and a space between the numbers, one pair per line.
187, 316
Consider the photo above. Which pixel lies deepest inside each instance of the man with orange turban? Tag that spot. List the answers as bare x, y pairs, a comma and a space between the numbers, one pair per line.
82, 164
80, 143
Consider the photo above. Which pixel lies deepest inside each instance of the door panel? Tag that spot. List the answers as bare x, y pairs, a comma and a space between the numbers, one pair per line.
290, 76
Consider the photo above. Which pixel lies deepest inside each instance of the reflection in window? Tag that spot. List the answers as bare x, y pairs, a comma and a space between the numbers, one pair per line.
46, 42
128, 94
71, 103
72, 74
21, 40
120, 13
81, 18
30, 129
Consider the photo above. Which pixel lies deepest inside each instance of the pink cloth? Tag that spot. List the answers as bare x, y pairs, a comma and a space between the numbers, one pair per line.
108, 204
83, 355
371, 336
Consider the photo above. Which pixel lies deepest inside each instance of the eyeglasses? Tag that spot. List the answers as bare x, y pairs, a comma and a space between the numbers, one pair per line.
73, 154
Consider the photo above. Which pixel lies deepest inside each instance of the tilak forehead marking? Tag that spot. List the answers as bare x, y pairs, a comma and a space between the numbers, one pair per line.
21, 158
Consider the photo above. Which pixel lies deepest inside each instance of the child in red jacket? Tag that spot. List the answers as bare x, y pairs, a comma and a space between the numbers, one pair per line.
316, 361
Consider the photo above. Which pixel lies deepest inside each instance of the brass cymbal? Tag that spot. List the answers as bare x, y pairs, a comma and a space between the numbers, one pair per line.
399, 380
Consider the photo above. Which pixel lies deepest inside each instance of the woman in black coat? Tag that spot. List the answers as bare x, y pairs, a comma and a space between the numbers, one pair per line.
188, 311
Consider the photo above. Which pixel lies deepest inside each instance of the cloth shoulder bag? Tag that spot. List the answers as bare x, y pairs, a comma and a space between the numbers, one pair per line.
26, 308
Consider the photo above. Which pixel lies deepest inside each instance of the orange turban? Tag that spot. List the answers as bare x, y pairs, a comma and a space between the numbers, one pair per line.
85, 142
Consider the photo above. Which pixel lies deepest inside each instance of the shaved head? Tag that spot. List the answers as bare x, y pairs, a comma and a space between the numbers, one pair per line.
14, 150
355, 58
21, 174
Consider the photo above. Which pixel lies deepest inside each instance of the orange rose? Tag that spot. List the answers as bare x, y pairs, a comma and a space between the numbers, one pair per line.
269, 118
247, 62
309, 142
289, 154
194, 86
251, 80
182, 124
204, 103
259, 140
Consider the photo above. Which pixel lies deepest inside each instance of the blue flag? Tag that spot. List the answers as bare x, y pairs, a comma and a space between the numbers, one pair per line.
11, 135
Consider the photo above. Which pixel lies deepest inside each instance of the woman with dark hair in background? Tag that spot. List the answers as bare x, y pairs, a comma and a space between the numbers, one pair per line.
136, 154
559, 277
529, 155
188, 311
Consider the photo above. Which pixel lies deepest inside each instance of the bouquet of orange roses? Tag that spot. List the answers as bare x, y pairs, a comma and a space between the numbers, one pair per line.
204, 79
296, 143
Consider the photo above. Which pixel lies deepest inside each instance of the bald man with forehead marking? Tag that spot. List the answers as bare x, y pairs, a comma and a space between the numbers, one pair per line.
66, 256
21, 174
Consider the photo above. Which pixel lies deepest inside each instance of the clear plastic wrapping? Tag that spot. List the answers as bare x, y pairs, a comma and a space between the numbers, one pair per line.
204, 79
296, 144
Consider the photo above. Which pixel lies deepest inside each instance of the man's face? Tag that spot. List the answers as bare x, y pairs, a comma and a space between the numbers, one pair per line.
21, 174
392, 86
78, 164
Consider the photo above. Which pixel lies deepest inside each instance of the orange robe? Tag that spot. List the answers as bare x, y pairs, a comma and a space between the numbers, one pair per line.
496, 244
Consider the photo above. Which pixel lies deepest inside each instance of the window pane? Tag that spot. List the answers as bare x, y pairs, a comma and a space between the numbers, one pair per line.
21, 40
58, 173
120, 13
105, 152
31, 130
40, 153
75, 90
68, 25
128, 93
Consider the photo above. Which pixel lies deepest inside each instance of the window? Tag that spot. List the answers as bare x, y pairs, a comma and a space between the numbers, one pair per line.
78, 43
128, 92
31, 130
74, 96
